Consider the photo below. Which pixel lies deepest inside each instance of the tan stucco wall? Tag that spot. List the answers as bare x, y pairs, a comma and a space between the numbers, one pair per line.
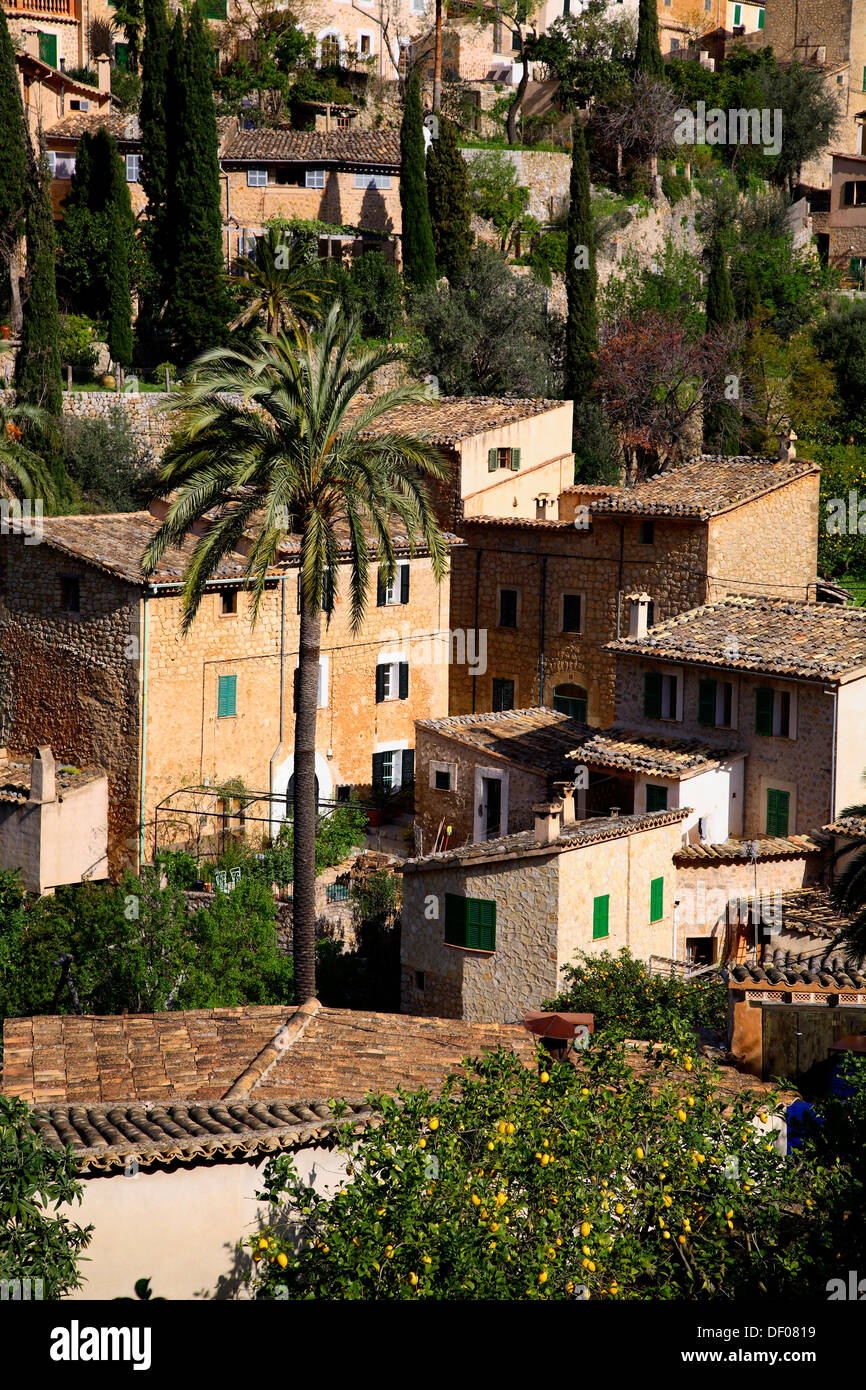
61, 841
546, 465
338, 202
850, 745
702, 892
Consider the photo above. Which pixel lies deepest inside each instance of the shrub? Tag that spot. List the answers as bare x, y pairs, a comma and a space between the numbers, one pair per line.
630, 1003
76, 345
104, 459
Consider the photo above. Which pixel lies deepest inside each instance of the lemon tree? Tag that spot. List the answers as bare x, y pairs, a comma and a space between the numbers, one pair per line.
628, 1002
605, 1180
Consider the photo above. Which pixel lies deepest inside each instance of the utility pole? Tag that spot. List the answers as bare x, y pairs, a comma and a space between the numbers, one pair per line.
437, 59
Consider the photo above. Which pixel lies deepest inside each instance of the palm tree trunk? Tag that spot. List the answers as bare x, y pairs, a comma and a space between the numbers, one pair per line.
304, 891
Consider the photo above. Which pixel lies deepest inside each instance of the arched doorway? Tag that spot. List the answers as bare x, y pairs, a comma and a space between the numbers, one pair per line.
571, 700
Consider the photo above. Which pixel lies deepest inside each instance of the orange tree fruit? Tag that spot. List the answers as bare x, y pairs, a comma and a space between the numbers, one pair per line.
407, 1211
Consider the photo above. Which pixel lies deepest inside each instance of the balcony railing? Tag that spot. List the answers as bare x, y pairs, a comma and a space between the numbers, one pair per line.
57, 9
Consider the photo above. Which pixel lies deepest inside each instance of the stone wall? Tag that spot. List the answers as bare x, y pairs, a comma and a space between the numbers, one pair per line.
767, 545
150, 427
526, 788
68, 679
545, 173
701, 888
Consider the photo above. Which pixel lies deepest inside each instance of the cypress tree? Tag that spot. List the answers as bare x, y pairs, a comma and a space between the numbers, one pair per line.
419, 258
198, 309
120, 227
720, 300
448, 200
648, 53
581, 331
173, 118
13, 167
748, 297
152, 115
38, 366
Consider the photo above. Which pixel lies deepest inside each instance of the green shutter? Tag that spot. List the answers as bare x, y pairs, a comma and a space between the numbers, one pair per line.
480, 924
760, 19
48, 49
763, 710
778, 804
404, 583
656, 798
707, 702
600, 914
492, 460
215, 9
227, 690
657, 896
515, 460
403, 680
378, 769
381, 588
455, 920
121, 56
652, 694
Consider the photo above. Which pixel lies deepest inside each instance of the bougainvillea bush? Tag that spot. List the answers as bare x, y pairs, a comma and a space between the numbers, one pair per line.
628, 1002
623, 1178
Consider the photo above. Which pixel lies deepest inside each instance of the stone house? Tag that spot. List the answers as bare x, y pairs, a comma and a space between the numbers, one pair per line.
61, 145
345, 177
54, 34
93, 661
48, 94
841, 230
784, 1016
53, 821
172, 1118
782, 683
487, 928
551, 591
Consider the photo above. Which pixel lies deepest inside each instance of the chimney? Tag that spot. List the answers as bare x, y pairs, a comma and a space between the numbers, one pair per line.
565, 794
787, 446
547, 822
4, 757
638, 614
614, 812
42, 767
103, 73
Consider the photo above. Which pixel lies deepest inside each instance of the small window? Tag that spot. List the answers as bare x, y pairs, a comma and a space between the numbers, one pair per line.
70, 593
571, 612
508, 608
503, 458
854, 193
503, 694
330, 51
228, 602
257, 178
227, 695
442, 779
738, 10
656, 798
601, 917
675, 43
133, 168
314, 178
470, 922
772, 712
715, 704
699, 950
392, 681
382, 181
344, 793
778, 807
419, 980
657, 894
659, 695
571, 700
364, 43
397, 590
647, 532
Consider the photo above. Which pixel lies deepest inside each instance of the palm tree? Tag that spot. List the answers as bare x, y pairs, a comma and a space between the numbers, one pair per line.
273, 445
23, 472
284, 286
849, 892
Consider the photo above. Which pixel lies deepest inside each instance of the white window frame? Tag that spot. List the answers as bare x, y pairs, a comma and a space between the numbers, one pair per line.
257, 178
312, 177
418, 6
392, 661
366, 34
133, 162
492, 774
399, 747
667, 676
331, 34
381, 182
395, 588
51, 159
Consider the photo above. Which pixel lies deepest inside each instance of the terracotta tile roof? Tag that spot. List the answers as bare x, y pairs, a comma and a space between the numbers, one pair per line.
736, 851
115, 543
348, 147
705, 487
817, 641
662, 757
124, 127
811, 912
813, 972
15, 779
541, 738
158, 1087
855, 826
448, 419
524, 844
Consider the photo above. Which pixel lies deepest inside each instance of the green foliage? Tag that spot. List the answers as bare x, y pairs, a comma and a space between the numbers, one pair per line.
785, 381
611, 1180
448, 198
278, 283
549, 254
155, 128
235, 957
581, 283
76, 344
38, 365
13, 148
35, 1241
670, 286
589, 52
371, 288
628, 1002
648, 54
179, 867
841, 341
107, 463
270, 69
675, 186
125, 88
841, 548
487, 335
419, 259
88, 76
198, 303
497, 194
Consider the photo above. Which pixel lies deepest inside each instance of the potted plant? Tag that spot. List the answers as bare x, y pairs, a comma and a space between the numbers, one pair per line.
5, 332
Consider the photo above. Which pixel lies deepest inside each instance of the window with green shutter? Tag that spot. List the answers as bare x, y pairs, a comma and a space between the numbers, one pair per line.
515, 460
652, 694
778, 804
121, 56
227, 693
600, 916
657, 898
656, 798
470, 922
760, 19
492, 460
48, 49
707, 702
763, 710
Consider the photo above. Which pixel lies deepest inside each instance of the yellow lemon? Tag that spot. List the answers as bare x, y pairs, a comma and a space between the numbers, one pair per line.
545, 1076
434, 1123
542, 1278
585, 1228
283, 1260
